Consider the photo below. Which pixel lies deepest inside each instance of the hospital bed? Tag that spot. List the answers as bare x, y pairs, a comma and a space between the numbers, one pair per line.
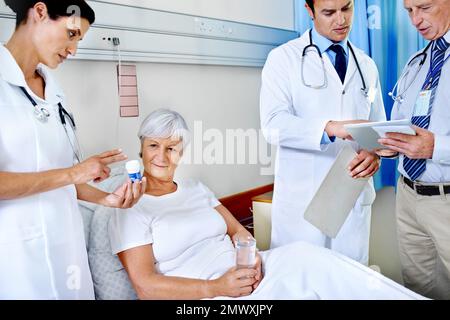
111, 281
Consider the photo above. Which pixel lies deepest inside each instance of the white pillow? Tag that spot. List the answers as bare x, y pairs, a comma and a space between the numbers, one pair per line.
117, 177
86, 215
111, 281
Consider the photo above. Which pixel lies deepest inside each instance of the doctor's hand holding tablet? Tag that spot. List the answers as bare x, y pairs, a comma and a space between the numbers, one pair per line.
390, 138
366, 163
415, 146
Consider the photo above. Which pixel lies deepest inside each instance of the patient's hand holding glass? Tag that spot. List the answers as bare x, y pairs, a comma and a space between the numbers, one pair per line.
245, 252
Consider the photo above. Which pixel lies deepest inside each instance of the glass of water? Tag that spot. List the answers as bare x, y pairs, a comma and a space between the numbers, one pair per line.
245, 252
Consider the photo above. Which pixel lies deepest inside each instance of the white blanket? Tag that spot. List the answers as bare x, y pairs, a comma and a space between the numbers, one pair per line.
304, 271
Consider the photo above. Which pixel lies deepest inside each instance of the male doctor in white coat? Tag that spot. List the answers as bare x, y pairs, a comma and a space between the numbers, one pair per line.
305, 101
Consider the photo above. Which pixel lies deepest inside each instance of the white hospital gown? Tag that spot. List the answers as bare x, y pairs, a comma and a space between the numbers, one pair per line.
189, 239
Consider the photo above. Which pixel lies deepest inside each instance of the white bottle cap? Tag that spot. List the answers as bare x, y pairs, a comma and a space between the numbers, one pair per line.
133, 166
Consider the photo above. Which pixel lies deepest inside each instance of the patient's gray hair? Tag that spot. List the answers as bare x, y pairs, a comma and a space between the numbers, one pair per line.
163, 124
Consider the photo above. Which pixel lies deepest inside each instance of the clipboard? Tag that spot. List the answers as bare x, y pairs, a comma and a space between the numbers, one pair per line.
336, 196
367, 134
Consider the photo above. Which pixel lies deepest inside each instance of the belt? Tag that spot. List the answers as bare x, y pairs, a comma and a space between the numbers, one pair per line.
426, 190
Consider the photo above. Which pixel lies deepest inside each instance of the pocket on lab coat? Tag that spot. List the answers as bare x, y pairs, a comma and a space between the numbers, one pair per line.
24, 272
362, 106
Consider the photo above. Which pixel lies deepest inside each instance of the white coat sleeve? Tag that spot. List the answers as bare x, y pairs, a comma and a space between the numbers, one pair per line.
441, 154
279, 123
377, 110
397, 113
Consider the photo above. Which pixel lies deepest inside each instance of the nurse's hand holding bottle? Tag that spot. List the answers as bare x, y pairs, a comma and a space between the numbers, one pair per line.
96, 169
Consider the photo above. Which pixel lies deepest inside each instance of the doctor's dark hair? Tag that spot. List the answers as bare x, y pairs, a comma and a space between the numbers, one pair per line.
55, 8
310, 4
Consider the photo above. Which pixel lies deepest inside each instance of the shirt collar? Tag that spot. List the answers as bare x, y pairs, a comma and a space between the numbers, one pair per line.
11, 73
10, 70
324, 43
53, 92
447, 36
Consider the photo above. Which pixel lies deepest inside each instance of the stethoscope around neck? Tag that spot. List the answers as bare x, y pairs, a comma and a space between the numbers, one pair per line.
422, 56
42, 114
314, 47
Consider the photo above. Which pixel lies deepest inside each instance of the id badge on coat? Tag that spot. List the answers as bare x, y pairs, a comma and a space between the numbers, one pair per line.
422, 104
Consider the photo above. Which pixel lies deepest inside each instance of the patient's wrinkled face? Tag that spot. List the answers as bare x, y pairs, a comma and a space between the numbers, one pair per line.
161, 157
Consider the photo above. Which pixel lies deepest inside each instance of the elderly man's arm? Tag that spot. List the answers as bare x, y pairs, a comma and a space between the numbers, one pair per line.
139, 263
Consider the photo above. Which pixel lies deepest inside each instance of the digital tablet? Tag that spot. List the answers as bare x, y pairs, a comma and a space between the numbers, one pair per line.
336, 196
367, 134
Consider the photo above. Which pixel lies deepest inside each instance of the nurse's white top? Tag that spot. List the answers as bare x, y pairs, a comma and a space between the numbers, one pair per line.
42, 245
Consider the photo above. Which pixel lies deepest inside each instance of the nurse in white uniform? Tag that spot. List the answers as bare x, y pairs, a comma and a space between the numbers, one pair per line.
309, 87
42, 245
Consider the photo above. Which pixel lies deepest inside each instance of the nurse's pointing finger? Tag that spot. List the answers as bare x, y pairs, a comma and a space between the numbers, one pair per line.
113, 159
110, 153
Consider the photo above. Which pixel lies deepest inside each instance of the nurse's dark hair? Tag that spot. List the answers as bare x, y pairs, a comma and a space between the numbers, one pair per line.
310, 4
56, 9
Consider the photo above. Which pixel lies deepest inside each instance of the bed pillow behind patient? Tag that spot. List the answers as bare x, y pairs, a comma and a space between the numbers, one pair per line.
110, 279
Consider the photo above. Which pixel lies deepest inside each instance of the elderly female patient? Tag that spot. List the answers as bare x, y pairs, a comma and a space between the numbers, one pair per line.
176, 243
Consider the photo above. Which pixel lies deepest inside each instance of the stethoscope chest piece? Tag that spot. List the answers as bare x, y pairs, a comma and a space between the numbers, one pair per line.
41, 114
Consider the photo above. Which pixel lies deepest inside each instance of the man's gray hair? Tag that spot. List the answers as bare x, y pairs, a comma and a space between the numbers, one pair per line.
163, 124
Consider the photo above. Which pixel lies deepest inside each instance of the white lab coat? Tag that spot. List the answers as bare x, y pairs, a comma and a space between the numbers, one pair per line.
42, 245
294, 117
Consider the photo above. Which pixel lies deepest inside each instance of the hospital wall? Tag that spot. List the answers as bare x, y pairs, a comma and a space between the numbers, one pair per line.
259, 12
222, 97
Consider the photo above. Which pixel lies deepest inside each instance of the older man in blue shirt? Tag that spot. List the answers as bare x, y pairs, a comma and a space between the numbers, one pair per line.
423, 198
